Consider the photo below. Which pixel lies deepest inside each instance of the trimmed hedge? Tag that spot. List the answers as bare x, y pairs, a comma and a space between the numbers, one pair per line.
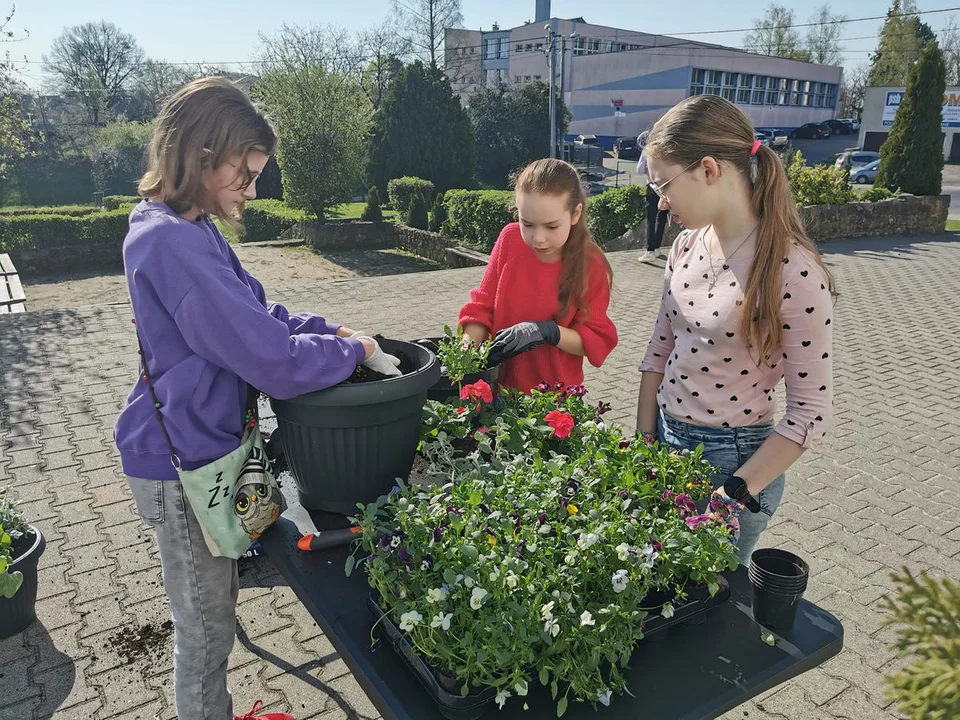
48, 231
400, 191
616, 211
267, 219
69, 210
112, 202
478, 216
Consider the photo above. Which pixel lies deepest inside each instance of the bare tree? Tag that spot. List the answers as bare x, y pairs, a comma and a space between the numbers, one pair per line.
386, 51
824, 36
949, 38
97, 61
426, 23
774, 34
14, 129
851, 94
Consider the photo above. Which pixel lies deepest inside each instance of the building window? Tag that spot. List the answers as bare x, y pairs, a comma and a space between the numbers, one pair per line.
526, 78
538, 47
729, 91
830, 99
773, 85
759, 83
805, 99
696, 81
519, 48
504, 50
713, 82
528, 47
537, 77
578, 45
517, 79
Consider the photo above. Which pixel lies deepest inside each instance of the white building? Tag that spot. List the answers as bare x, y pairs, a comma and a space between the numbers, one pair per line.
619, 82
880, 108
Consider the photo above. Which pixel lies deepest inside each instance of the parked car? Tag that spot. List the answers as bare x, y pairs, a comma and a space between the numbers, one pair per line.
814, 131
852, 122
776, 139
839, 127
865, 174
586, 140
858, 158
626, 149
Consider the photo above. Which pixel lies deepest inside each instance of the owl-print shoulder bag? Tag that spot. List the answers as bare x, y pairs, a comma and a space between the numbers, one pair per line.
236, 497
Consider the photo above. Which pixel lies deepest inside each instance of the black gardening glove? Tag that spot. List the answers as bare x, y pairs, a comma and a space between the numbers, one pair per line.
519, 338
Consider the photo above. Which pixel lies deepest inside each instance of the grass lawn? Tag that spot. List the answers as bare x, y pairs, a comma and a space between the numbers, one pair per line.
352, 211
953, 225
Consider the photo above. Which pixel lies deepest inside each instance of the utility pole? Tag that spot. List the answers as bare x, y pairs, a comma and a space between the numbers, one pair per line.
551, 58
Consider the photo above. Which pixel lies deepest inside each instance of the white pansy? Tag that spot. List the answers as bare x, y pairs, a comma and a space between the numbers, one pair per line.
501, 698
570, 559
650, 554
495, 575
603, 697
586, 619
441, 620
551, 627
469, 581
410, 620
667, 611
512, 581
521, 688
623, 551
546, 612
477, 598
587, 540
395, 542
435, 595
402, 593
620, 581
532, 547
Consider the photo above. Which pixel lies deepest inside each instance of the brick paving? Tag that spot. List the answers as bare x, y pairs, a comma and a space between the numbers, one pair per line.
882, 491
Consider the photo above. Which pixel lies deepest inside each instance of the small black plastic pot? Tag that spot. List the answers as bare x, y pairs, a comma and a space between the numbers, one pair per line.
444, 390
18, 612
779, 579
349, 443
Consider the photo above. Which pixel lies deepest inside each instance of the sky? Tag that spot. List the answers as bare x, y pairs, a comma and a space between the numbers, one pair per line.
227, 32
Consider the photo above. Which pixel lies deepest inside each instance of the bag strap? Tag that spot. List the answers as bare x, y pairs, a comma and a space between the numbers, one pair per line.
249, 417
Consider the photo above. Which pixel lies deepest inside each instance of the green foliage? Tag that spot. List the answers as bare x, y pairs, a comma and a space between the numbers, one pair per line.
818, 185
49, 231
14, 130
911, 159
112, 202
417, 212
372, 212
438, 214
477, 216
322, 116
421, 130
927, 616
267, 219
117, 156
901, 39
616, 211
44, 179
71, 210
877, 193
401, 191
512, 126
459, 358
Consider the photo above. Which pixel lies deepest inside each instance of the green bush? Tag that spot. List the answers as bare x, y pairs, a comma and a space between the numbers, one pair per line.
478, 216
877, 193
112, 202
49, 231
438, 214
925, 614
616, 211
70, 210
267, 219
818, 185
401, 190
42, 180
372, 212
417, 212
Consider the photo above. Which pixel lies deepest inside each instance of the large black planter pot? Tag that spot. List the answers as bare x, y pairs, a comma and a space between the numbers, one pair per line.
349, 443
445, 390
18, 612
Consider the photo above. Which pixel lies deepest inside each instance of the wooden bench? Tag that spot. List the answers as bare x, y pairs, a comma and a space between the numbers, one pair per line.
12, 298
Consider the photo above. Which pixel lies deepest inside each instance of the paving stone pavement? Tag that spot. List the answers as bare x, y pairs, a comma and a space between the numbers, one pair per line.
882, 490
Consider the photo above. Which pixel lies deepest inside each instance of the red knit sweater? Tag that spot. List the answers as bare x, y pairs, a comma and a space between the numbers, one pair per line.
517, 286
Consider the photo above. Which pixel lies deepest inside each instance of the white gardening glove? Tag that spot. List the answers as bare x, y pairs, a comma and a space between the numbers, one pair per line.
380, 361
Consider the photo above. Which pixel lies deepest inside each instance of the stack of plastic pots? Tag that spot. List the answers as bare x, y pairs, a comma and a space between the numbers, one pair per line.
779, 579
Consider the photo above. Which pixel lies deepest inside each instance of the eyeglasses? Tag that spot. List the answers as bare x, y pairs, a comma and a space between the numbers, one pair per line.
658, 189
250, 178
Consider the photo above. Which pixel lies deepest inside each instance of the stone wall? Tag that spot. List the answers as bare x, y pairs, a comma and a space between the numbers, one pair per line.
106, 256
438, 248
905, 215
342, 235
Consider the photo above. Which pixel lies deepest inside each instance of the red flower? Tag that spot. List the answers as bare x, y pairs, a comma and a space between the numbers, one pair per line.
477, 391
461, 410
561, 422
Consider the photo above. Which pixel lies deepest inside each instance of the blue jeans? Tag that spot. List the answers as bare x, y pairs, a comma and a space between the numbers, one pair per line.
728, 449
203, 592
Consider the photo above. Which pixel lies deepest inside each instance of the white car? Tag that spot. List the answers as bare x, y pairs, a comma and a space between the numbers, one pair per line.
776, 139
586, 140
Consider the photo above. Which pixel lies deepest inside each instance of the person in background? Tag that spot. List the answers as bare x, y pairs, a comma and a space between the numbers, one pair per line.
656, 218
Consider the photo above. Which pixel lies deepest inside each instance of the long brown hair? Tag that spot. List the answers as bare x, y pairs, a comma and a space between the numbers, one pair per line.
201, 126
709, 126
555, 177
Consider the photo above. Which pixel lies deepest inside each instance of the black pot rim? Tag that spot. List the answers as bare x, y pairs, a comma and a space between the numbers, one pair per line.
778, 554
380, 391
38, 546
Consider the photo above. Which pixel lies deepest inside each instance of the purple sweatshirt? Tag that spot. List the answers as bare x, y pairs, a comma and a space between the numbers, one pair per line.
207, 330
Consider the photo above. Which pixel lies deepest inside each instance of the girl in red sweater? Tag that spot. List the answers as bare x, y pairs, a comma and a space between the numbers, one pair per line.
545, 293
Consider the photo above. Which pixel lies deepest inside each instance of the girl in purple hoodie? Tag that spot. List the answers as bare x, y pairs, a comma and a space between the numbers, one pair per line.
208, 334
